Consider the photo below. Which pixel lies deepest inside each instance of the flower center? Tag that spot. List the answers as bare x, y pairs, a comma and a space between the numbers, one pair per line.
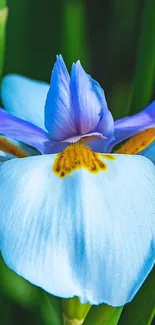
78, 155
138, 142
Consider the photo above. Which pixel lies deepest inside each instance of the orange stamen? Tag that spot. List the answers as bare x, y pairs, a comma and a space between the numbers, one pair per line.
138, 142
77, 156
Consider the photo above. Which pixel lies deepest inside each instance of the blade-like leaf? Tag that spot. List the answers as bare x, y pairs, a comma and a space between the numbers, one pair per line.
3, 19
16, 288
142, 309
145, 69
50, 309
103, 315
74, 32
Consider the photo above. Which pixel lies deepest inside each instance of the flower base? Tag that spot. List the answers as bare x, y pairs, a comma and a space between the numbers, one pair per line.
74, 321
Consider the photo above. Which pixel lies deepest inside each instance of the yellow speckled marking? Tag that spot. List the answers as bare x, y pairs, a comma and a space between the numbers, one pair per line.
78, 156
108, 157
138, 142
7, 146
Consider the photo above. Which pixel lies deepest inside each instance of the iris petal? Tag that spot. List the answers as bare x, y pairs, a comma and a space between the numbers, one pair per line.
89, 103
142, 143
21, 130
59, 114
5, 156
25, 98
149, 152
89, 235
129, 126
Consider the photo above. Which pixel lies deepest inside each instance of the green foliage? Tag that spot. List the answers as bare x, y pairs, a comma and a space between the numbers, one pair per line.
3, 19
142, 309
144, 83
50, 309
15, 287
74, 32
103, 315
2, 4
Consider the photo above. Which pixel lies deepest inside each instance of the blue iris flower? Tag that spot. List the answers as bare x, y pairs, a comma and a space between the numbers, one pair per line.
90, 232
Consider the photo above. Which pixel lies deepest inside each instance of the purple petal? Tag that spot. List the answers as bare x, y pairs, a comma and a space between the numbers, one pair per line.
129, 126
21, 130
59, 114
91, 111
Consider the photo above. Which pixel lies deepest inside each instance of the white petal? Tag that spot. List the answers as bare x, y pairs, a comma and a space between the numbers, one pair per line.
88, 235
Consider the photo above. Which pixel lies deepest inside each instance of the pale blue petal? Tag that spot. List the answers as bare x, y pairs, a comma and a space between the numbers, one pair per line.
91, 111
59, 113
5, 156
149, 152
25, 98
88, 235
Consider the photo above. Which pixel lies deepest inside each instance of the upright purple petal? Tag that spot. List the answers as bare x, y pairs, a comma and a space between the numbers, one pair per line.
59, 114
23, 131
129, 126
91, 111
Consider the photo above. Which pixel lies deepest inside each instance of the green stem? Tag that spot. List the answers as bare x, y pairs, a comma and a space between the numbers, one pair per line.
74, 311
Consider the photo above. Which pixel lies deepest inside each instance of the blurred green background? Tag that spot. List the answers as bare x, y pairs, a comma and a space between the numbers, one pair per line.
111, 38
115, 41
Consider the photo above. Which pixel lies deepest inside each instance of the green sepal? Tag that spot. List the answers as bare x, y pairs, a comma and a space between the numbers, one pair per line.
141, 310
103, 315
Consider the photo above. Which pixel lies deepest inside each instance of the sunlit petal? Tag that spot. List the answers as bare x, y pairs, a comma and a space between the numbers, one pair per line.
88, 235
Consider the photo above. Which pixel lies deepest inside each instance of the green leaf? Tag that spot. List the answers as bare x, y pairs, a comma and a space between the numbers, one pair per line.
50, 309
2, 4
3, 19
103, 315
119, 99
5, 307
74, 32
16, 288
145, 70
142, 309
